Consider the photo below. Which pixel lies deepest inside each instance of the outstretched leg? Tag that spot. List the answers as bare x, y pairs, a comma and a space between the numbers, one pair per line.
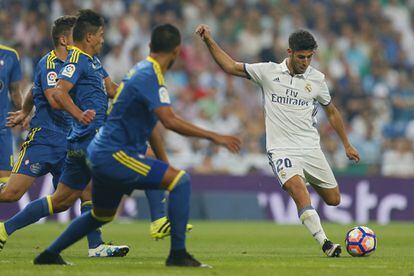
296, 188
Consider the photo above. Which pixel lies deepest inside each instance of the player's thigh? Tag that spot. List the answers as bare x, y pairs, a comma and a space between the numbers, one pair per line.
4, 174
330, 196
56, 170
106, 196
136, 171
317, 170
76, 174
16, 187
36, 160
285, 165
296, 188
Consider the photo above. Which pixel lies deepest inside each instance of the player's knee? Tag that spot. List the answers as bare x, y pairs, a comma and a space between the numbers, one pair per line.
10, 195
181, 181
103, 216
334, 200
61, 205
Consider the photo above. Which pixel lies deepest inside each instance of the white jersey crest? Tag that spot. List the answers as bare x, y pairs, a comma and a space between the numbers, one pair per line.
290, 104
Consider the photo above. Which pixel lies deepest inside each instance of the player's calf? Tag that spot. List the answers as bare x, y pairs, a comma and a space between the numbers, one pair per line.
64, 198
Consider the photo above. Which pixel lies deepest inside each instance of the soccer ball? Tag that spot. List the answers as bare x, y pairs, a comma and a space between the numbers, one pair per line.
360, 241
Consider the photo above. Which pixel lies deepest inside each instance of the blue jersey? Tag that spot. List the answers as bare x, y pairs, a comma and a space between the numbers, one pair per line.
9, 72
131, 117
45, 78
87, 75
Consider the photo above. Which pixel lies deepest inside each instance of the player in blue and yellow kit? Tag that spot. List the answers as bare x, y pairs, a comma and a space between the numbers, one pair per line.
10, 75
117, 158
45, 149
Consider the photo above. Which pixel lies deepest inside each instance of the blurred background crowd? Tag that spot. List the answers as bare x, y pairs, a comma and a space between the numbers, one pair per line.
365, 50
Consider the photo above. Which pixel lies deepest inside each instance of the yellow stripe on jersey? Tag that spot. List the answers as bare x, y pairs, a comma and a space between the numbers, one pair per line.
4, 47
118, 92
75, 56
25, 145
131, 163
175, 181
50, 64
157, 69
74, 48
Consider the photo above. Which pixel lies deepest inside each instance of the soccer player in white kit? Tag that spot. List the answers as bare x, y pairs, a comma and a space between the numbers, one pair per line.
292, 90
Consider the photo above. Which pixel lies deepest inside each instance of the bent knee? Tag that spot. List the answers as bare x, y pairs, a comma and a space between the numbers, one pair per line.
62, 205
334, 200
103, 216
11, 195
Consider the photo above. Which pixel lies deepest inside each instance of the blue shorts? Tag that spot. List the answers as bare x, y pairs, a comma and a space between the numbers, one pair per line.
117, 173
6, 149
43, 152
76, 174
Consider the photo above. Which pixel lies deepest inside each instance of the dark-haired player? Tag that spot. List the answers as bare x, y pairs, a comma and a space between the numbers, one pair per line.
46, 147
292, 91
117, 159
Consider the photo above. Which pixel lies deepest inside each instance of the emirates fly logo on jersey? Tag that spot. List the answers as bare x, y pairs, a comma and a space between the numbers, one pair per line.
69, 70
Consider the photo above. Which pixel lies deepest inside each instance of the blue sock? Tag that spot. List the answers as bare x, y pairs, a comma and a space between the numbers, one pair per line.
94, 237
78, 228
34, 211
156, 201
179, 210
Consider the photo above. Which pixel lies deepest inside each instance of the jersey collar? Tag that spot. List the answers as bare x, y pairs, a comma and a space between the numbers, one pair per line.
53, 54
285, 69
76, 48
157, 69
153, 60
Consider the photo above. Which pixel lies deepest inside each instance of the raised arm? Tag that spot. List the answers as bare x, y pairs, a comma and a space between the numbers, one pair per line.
173, 122
222, 58
59, 98
335, 119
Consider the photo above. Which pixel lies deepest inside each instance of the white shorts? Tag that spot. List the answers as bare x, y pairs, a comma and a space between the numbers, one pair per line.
310, 164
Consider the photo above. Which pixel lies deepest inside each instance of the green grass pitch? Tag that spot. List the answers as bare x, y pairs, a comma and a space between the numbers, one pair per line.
232, 248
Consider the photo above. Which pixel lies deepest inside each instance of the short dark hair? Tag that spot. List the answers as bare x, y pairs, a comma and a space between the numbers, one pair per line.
302, 40
88, 21
62, 26
164, 38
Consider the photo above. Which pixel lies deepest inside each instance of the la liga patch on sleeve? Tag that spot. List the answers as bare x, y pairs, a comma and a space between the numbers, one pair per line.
69, 70
164, 97
51, 78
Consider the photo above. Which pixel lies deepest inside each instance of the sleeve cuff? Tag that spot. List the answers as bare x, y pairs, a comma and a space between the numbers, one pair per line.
247, 73
326, 104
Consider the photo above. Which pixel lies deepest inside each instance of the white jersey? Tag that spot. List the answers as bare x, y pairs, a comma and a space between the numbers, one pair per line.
290, 104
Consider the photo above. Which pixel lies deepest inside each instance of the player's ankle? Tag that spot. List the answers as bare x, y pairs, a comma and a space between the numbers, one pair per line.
178, 252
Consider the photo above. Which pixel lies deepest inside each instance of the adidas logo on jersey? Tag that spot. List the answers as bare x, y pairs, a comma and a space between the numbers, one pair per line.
276, 79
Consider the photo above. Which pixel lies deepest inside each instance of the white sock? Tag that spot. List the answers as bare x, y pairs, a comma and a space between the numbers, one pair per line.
311, 220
